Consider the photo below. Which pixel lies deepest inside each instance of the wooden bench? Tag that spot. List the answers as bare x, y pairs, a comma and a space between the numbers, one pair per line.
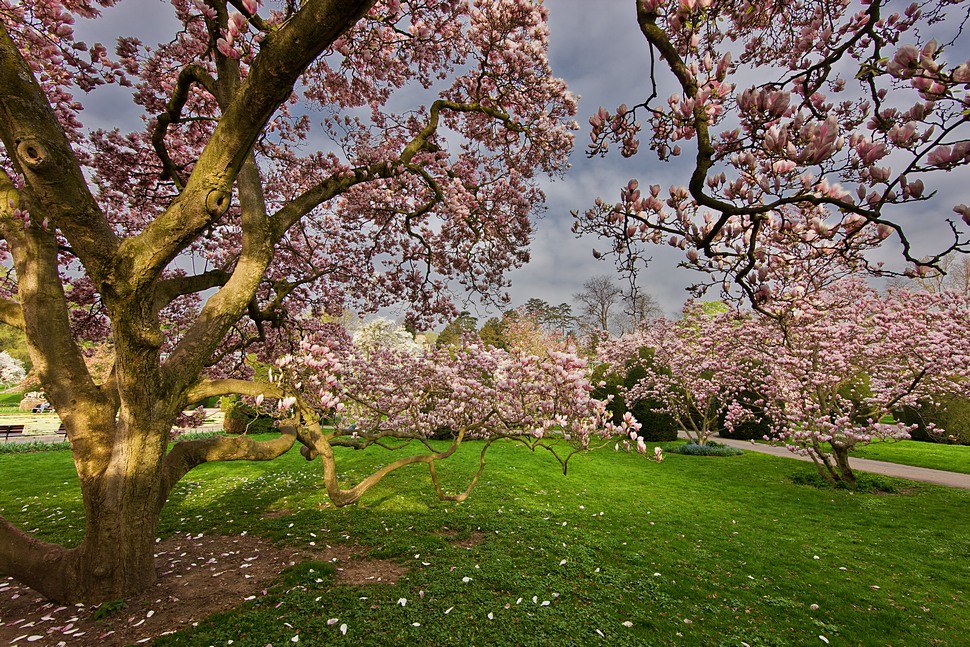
11, 431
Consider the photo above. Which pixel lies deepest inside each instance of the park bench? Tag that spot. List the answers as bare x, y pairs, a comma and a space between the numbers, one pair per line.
11, 431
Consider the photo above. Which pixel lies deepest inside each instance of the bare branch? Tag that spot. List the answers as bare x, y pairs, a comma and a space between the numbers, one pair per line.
191, 75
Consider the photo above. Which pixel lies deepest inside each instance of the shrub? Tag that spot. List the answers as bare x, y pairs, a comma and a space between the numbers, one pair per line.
656, 427
244, 419
865, 483
950, 415
443, 433
32, 446
710, 449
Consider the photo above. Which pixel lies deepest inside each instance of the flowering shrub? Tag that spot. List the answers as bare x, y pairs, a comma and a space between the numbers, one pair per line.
707, 449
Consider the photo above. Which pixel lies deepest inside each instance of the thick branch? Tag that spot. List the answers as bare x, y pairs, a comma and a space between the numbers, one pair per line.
224, 308
170, 289
27, 559
283, 57
189, 454
213, 388
39, 148
342, 497
193, 74
44, 314
11, 314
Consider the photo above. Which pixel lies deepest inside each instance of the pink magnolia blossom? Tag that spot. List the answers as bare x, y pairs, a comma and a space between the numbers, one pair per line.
844, 359
802, 139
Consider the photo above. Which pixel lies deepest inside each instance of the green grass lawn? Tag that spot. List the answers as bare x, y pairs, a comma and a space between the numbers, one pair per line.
693, 551
952, 458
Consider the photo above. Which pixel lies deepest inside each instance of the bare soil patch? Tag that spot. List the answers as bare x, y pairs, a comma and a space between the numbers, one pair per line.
472, 540
199, 575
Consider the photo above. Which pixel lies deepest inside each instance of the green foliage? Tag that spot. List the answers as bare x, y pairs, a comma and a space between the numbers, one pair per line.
710, 449
492, 333
199, 435
227, 402
106, 609
856, 391
10, 399
453, 332
14, 341
656, 427
30, 447
242, 418
950, 415
756, 427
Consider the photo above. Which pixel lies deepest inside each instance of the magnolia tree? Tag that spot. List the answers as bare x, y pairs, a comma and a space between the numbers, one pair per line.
380, 333
813, 127
841, 362
293, 161
390, 397
824, 373
11, 369
695, 368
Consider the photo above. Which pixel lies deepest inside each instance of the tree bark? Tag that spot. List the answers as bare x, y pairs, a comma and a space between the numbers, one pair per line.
122, 500
841, 455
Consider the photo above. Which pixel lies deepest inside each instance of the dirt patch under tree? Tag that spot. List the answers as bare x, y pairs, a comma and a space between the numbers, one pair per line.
199, 575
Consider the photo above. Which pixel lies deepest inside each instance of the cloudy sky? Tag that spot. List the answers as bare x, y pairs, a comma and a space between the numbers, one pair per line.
598, 49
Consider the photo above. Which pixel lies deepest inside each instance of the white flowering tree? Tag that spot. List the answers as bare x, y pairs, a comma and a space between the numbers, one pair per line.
11, 369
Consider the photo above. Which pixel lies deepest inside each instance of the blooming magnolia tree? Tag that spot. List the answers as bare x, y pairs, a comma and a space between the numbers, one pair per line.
390, 397
812, 128
380, 333
824, 372
695, 369
282, 171
844, 360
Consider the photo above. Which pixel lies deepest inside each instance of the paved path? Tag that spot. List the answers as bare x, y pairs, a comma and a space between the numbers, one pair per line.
951, 479
45, 438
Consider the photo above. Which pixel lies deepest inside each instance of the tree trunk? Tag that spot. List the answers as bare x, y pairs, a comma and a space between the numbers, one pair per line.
841, 454
115, 559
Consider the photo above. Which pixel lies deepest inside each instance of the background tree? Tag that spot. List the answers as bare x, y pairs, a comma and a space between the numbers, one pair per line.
435, 139
598, 303
843, 361
639, 308
12, 369
539, 310
814, 161
14, 342
492, 333
693, 369
384, 333
456, 329
561, 319
393, 395
954, 277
